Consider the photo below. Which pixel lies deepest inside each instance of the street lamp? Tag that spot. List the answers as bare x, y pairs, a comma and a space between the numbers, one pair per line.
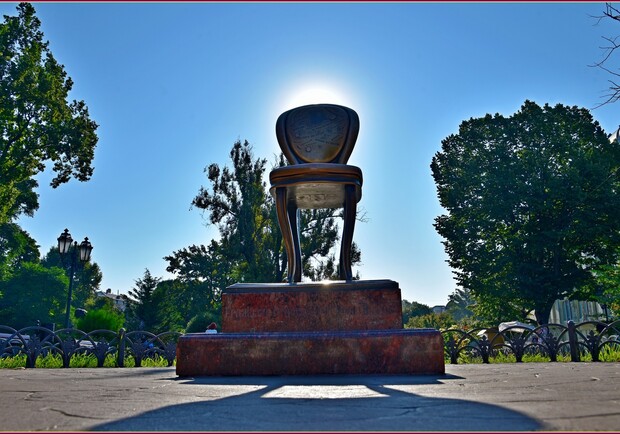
83, 250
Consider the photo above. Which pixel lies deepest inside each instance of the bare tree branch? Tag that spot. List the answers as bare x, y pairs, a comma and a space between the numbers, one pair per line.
609, 50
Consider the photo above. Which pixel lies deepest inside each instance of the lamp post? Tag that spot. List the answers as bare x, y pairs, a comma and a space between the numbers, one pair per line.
73, 250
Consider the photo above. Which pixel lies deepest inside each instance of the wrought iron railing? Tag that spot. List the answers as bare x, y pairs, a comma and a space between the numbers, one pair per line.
36, 341
572, 342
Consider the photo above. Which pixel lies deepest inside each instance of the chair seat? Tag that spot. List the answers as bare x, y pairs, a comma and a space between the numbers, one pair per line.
317, 185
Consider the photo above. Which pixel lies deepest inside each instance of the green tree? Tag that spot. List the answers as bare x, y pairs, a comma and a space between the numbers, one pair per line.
413, 308
532, 205
175, 305
607, 290
16, 247
460, 304
203, 267
143, 306
37, 123
238, 204
34, 293
202, 272
87, 276
245, 214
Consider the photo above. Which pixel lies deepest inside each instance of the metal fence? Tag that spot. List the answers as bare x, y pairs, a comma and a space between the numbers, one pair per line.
38, 341
574, 342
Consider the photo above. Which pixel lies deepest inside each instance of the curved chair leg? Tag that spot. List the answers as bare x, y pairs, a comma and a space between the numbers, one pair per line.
285, 227
293, 217
350, 207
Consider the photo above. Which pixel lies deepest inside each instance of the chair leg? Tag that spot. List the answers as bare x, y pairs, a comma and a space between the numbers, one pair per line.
285, 227
293, 216
350, 208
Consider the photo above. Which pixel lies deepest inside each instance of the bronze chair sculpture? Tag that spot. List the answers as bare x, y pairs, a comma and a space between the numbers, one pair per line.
317, 141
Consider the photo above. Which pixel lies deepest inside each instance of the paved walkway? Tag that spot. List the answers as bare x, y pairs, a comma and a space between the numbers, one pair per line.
502, 397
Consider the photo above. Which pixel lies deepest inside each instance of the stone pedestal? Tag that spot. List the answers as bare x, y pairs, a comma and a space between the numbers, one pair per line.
333, 306
311, 328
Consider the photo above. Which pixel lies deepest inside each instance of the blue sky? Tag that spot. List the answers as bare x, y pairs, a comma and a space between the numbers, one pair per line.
174, 85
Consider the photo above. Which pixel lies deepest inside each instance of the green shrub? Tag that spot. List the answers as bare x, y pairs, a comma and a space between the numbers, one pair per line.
200, 322
98, 319
437, 321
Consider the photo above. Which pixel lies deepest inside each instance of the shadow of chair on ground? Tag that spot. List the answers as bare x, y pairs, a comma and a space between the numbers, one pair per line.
322, 403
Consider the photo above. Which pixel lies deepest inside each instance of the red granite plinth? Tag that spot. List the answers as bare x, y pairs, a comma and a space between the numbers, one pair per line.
339, 305
311, 328
406, 351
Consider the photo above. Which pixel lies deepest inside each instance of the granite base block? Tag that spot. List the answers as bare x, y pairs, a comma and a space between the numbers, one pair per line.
405, 351
311, 306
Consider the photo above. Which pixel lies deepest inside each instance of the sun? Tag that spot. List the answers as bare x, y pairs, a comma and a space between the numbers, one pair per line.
315, 93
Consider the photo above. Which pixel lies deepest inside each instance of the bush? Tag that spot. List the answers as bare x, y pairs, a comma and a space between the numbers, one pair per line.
200, 322
437, 321
101, 319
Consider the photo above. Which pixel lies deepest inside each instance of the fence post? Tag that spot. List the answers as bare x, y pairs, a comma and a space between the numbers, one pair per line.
573, 342
120, 357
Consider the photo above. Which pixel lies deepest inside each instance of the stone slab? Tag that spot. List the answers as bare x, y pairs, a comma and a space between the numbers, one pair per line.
405, 351
312, 306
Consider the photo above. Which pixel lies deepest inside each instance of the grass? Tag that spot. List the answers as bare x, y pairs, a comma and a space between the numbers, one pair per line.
607, 353
78, 361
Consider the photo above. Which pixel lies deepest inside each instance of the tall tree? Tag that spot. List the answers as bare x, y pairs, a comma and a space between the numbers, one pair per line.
238, 204
37, 123
532, 204
245, 214
143, 306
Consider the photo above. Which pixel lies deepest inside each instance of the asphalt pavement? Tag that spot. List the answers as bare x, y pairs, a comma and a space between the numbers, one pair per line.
496, 397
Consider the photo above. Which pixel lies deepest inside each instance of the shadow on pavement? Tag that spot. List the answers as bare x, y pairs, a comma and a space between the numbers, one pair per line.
321, 403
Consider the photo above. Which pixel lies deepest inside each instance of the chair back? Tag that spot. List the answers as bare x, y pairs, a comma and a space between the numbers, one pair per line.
318, 133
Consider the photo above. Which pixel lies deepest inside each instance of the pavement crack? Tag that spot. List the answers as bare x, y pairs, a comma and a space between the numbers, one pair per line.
585, 416
77, 416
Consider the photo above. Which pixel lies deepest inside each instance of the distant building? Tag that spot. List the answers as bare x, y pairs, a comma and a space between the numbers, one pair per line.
615, 135
438, 309
120, 301
575, 310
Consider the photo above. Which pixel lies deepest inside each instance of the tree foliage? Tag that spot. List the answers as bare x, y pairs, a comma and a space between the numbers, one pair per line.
106, 318
460, 304
411, 309
607, 290
439, 321
37, 123
143, 306
532, 205
16, 247
34, 289
87, 276
34, 293
204, 267
239, 204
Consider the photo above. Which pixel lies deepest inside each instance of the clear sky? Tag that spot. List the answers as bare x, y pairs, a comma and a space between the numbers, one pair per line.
174, 85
